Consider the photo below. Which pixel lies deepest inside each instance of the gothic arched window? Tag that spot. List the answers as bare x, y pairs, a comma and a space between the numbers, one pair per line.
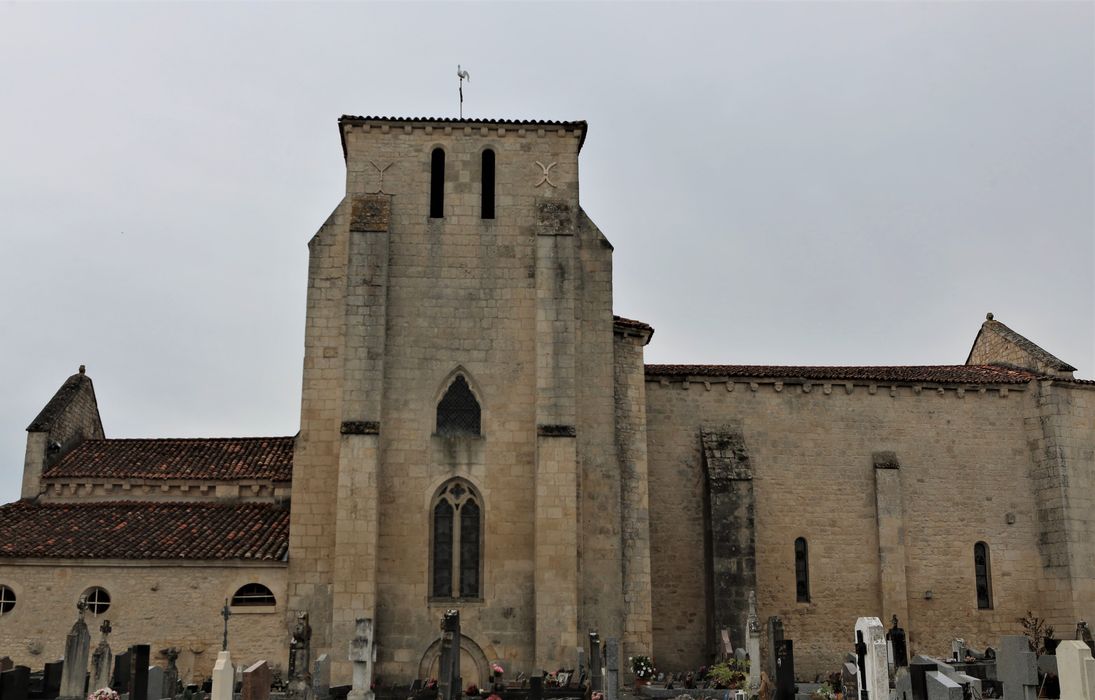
457, 542
458, 410
802, 571
437, 184
488, 184
983, 575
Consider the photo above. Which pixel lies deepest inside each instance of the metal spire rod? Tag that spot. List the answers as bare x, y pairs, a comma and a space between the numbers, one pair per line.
463, 75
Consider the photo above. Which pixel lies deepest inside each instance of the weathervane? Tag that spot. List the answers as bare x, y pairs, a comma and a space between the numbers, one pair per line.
463, 75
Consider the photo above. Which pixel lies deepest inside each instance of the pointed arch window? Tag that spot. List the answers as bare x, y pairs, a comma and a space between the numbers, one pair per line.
802, 571
983, 575
488, 184
456, 559
437, 184
458, 411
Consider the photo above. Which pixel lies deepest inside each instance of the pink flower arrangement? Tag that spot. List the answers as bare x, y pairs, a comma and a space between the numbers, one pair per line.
103, 694
497, 669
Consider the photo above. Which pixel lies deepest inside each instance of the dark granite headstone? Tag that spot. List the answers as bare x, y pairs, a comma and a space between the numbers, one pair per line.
138, 672
896, 637
918, 671
536, 688
15, 683
785, 670
5, 663
596, 681
775, 636
121, 672
51, 679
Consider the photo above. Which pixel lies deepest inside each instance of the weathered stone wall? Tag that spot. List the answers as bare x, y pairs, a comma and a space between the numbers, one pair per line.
78, 421
160, 605
964, 466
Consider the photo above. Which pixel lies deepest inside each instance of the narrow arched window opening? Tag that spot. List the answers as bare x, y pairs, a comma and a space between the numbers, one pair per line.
458, 411
253, 595
437, 184
802, 571
983, 574
488, 184
457, 542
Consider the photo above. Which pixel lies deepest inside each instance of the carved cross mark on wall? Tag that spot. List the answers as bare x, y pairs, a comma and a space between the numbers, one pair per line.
546, 175
380, 170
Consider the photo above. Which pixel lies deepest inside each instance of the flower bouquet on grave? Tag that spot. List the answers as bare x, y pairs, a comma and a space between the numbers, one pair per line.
497, 670
103, 694
643, 668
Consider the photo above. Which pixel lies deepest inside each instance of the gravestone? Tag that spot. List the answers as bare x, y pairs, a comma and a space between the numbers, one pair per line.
448, 672
536, 687
300, 648
15, 683
583, 669
785, 670
154, 686
940, 687
5, 663
752, 644
775, 636
51, 679
874, 673
321, 677
1076, 669
363, 655
120, 679
101, 661
224, 677
171, 673
919, 669
896, 637
849, 676
256, 682
1017, 668
958, 650
596, 681
77, 653
612, 668
138, 671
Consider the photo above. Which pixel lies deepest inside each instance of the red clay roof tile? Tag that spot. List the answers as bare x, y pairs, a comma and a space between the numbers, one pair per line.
939, 374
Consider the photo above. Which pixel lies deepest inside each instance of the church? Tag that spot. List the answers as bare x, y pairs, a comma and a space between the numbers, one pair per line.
479, 431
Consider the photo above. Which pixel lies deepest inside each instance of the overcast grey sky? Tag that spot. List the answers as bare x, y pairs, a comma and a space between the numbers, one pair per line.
784, 183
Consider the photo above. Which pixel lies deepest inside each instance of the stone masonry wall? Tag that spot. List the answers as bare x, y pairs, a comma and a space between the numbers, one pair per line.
964, 466
77, 422
142, 594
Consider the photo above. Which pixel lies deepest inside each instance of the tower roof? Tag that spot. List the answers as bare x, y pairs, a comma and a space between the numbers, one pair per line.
580, 126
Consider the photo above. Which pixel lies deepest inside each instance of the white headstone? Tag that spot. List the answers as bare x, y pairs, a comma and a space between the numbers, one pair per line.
940, 687
224, 677
1076, 669
875, 665
1017, 668
362, 656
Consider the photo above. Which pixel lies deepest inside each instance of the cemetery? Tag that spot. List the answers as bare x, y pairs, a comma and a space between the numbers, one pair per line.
877, 667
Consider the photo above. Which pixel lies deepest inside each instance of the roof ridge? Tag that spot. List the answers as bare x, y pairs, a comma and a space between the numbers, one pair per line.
191, 439
1027, 345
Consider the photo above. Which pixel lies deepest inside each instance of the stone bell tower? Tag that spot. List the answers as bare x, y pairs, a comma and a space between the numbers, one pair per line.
459, 273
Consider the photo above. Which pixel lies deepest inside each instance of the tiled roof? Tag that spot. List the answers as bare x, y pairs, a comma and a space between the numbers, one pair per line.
580, 125
941, 374
56, 406
632, 323
214, 459
136, 530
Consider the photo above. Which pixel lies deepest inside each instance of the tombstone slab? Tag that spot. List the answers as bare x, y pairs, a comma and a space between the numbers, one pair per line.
224, 677
785, 670
120, 678
1076, 670
77, 653
363, 655
1017, 668
775, 635
612, 668
256, 681
15, 683
870, 639
321, 677
138, 671
940, 687
596, 680
154, 684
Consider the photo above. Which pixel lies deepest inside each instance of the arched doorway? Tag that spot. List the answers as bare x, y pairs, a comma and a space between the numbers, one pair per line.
474, 667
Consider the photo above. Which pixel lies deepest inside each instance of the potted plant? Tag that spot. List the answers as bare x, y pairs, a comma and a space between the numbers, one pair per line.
643, 668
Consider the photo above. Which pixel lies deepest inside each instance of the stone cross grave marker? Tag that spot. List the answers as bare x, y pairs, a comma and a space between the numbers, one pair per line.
256, 682
154, 686
321, 677
898, 645
171, 673
77, 651
596, 680
448, 672
612, 668
1076, 670
752, 644
785, 670
1017, 668
15, 683
138, 671
874, 672
363, 655
101, 661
